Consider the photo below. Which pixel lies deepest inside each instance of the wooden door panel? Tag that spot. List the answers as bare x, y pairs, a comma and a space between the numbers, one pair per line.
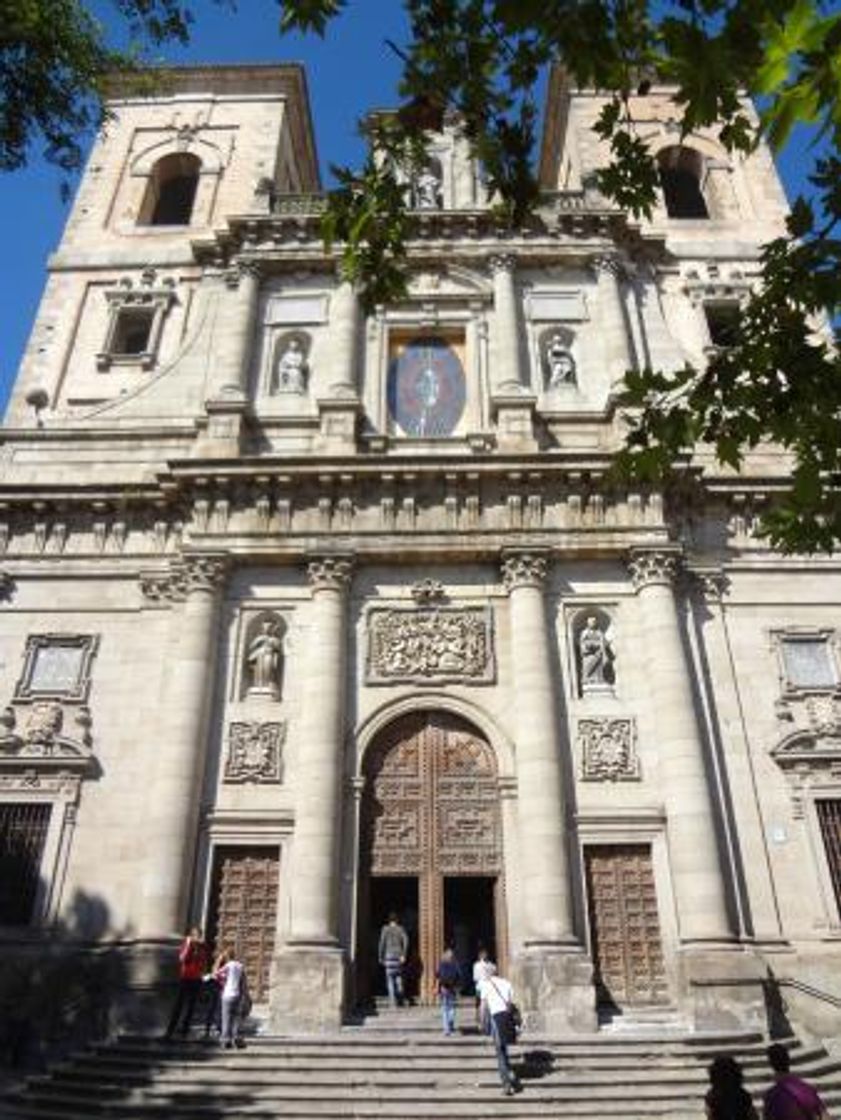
244, 909
624, 924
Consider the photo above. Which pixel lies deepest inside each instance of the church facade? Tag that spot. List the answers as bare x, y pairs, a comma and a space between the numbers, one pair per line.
312, 615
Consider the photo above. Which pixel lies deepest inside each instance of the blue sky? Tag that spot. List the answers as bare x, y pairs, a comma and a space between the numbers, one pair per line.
349, 72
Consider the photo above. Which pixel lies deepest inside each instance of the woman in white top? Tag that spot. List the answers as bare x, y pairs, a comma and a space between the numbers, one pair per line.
231, 977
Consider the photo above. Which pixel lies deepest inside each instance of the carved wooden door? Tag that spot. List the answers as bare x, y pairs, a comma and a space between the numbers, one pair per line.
431, 809
244, 909
624, 924
829, 816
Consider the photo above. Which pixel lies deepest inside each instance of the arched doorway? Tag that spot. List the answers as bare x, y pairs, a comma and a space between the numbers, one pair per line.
431, 846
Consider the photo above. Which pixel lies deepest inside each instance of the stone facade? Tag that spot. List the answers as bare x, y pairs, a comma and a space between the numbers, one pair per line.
267, 554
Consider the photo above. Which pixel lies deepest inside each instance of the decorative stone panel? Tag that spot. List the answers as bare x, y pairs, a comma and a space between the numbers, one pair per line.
438, 644
57, 666
608, 750
255, 752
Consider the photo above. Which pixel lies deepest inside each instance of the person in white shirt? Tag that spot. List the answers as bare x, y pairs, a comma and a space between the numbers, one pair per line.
483, 967
498, 994
231, 976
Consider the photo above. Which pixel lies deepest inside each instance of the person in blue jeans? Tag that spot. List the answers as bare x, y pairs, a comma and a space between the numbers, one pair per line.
394, 945
448, 975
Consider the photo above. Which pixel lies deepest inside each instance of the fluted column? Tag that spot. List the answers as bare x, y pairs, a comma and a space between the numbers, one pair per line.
234, 333
506, 374
173, 790
691, 833
318, 806
344, 337
614, 321
544, 872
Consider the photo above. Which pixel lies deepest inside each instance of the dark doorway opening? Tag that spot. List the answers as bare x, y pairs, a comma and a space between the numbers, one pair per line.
400, 895
469, 919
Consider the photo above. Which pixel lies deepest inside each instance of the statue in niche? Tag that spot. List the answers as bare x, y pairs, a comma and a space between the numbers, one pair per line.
560, 362
263, 658
596, 656
427, 186
291, 368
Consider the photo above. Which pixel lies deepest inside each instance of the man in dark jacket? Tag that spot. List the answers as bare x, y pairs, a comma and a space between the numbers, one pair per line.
394, 945
448, 975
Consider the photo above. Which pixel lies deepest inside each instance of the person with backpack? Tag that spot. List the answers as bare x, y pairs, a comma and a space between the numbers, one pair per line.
498, 995
448, 975
790, 1097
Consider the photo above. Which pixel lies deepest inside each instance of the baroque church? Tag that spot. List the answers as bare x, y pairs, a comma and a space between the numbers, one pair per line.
311, 615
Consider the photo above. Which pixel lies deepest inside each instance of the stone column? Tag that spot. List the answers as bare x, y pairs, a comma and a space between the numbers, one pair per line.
545, 872
233, 338
309, 975
616, 333
340, 408
506, 374
691, 832
173, 789
552, 976
235, 331
661, 349
511, 402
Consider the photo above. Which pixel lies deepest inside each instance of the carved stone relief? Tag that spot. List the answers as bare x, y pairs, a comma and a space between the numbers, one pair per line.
608, 750
435, 644
255, 752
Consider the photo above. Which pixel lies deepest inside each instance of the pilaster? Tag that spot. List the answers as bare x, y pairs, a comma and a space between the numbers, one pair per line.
512, 405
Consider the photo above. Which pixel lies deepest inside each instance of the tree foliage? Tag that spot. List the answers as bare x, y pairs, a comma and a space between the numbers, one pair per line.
481, 59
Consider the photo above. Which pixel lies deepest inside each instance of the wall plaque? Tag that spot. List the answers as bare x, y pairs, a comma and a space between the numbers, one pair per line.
255, 752
57, 665
608, 750
438, 644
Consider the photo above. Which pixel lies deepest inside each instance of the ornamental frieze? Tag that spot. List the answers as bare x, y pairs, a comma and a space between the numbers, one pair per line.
608, 750
255, 752
438, 644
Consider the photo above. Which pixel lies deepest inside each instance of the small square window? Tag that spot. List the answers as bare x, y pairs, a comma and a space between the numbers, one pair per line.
808, 663
723, 324
132, 332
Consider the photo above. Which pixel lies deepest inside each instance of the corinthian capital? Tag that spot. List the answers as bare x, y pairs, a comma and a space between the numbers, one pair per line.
204, 571
241, 270
648, 566
524, 569
332, 572
607, 264
501, 262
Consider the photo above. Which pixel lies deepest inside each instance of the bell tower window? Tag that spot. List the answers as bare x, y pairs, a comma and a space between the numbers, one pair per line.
171, 191
681, 172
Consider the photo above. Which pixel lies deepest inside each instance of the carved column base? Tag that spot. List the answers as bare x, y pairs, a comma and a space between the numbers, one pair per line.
515, 421
307, 990
555, 991
724, 988
338, 421
223, 431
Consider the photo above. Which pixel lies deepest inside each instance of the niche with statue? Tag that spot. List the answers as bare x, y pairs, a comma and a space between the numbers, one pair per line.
263, 657
290, 368
557, 360
595, 656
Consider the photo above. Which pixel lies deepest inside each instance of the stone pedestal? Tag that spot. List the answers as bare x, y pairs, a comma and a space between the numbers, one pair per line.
555, 991
724, 989
338, 422
514, 414
307, 990
222, 437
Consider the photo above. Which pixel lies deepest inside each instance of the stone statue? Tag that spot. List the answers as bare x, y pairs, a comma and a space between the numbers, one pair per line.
596, 656
427, 190
291, 369
561, 364
263, 657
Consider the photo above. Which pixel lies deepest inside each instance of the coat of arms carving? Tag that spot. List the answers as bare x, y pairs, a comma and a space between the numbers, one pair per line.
608, 750
435, 644
255, 752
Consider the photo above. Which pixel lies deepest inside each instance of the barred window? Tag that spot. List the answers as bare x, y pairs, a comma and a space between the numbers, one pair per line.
23, 833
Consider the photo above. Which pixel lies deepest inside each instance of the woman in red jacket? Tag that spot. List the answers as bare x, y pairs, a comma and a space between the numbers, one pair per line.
192, 965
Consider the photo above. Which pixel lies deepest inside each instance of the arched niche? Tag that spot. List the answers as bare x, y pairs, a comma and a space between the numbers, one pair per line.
591, 633
263, 658
290, 371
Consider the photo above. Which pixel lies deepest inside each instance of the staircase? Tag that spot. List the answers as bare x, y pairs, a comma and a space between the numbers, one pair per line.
398, 1066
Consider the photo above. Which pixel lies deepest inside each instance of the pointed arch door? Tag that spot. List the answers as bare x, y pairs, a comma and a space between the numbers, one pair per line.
431, 817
